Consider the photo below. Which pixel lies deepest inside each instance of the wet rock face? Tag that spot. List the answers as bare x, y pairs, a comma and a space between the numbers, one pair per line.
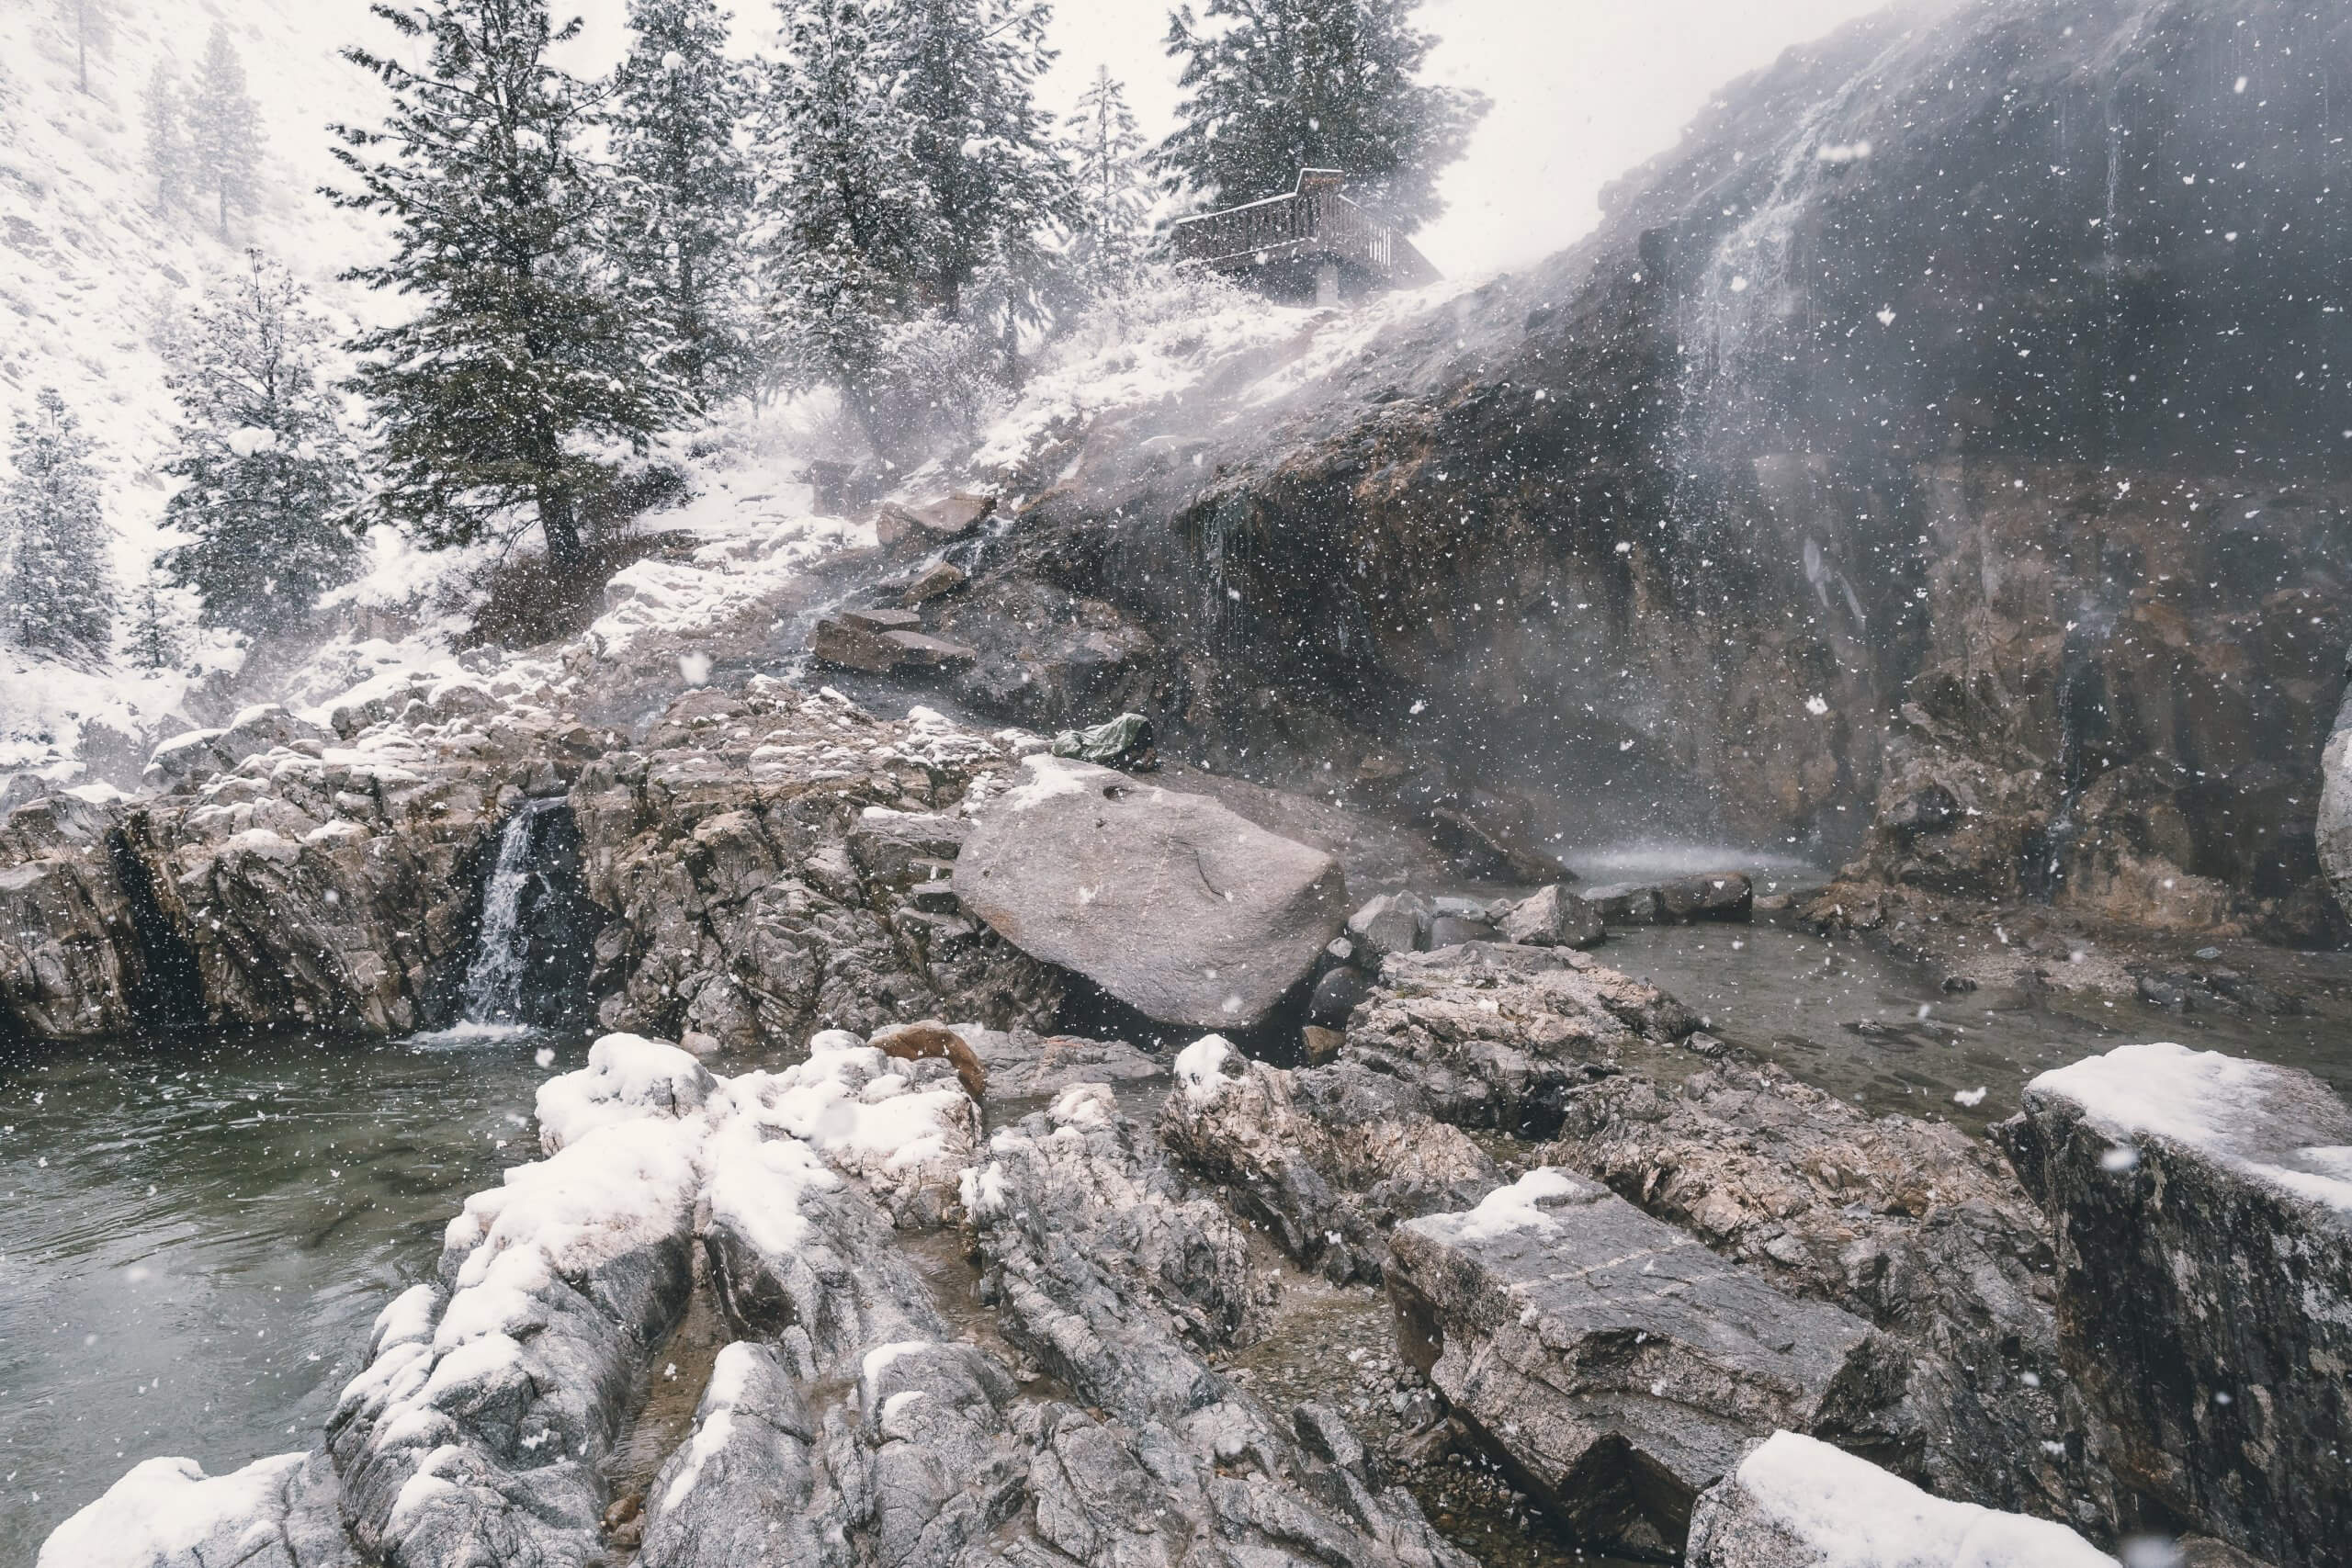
2202, 1208
1170, 902
1619, 1365
1789, 452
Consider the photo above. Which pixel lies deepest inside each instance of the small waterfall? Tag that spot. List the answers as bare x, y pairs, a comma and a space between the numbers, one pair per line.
492, 994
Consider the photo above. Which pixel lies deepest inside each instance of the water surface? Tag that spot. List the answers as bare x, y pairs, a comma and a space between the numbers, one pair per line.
198, 1233
1790, 996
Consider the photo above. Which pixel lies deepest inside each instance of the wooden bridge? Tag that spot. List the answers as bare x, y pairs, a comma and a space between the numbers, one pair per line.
1312, 244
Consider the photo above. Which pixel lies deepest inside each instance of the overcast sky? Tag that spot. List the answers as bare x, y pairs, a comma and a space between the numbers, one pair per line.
1583, 90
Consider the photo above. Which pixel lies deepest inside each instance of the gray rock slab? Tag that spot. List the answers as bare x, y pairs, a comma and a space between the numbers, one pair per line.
1615, 1364
1170, 902
2202, 1210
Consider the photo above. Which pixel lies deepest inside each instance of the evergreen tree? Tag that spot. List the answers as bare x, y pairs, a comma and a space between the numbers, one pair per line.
967, 72
272, 481
1288, 85
155, 636
224, 133
521, 359
685, 186
1106, 154
168, 152
60, 587
853, 216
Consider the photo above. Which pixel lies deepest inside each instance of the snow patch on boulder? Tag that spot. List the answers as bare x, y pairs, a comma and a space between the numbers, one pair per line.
1796, 1502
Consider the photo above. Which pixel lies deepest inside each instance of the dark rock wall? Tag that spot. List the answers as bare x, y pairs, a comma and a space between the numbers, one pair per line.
1979, 372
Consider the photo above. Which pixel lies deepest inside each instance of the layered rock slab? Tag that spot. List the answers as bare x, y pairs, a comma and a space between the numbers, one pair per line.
1170, 902
1911, 1224
1618, 1366
2203, 1212
1796, 1502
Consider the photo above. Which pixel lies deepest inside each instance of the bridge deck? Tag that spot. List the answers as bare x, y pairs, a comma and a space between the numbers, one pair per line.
1313, 223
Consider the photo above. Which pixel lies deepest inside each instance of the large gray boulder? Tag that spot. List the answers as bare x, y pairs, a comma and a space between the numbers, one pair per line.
2203, 1206
1186, 912
1617, 1364
1796, 1502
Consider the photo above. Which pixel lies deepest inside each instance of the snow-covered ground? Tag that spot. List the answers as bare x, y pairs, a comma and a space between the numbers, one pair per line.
93, 279
96, 277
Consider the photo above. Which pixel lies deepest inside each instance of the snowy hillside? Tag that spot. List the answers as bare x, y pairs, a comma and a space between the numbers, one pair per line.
92, 275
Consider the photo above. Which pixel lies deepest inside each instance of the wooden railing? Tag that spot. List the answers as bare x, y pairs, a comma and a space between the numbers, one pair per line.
1314, 221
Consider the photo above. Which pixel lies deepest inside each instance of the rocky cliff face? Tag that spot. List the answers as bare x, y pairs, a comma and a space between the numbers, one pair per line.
1939, 457
746, 870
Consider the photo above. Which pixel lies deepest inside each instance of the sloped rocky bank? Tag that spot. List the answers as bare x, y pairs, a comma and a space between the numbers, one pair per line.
1937, 460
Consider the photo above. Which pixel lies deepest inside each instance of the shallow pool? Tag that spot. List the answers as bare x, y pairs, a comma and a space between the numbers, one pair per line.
198, 1233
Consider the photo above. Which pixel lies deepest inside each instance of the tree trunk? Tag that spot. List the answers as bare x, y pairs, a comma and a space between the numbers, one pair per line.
565, 556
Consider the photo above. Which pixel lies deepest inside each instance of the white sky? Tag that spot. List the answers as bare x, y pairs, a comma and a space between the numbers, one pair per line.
1583, 90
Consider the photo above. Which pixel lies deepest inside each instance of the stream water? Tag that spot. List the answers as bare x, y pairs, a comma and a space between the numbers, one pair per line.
1849, 1018
198, 1233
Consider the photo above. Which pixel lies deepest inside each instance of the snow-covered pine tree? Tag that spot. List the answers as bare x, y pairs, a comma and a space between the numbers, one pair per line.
166, 148
223, 132
60, 587
1279, 85
966, 72
154, 636
851, 218
272, 480
1106, 154
684, 188
523, 358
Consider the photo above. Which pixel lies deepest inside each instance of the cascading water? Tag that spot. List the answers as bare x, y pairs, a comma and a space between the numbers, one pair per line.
492, 995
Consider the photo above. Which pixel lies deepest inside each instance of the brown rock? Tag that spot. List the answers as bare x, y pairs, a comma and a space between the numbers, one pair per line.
939, 579
930, 1038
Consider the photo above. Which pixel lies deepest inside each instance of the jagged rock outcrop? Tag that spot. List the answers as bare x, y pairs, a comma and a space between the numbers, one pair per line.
762, 885
1496, 1036
1786, 499
1116, 1283
849, 1423
736, 868
1619, 1365
1328, 1159
2202, 1206
1796, 1502
1170, 902
1910, 1224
